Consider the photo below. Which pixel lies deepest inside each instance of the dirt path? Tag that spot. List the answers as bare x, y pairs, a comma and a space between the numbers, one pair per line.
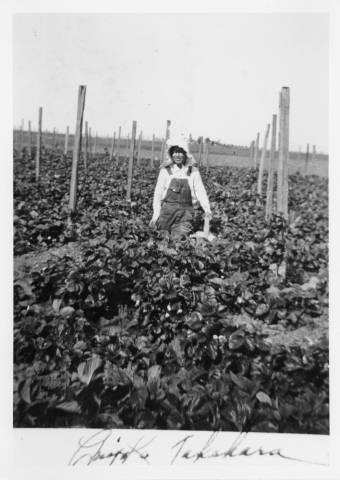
23, 264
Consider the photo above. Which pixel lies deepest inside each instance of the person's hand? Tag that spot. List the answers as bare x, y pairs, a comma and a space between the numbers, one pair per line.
152, 223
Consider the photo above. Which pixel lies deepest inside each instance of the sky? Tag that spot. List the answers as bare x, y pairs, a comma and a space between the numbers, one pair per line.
216, 75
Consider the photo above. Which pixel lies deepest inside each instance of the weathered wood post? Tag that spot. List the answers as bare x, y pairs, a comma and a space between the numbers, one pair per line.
66, 140
139, 147
256, 153
314, 154
95, 144
282, 177
77, 148
162, 150
86, 146
189, 144
263, 158
112, 146
118, 142
22, 134
21, 139
132, 152
29, 139
200, 147
251, 152
127, 146
206, 159
153, 150
53, 139
89, 142
270, 180
306, 159
167, 136
38, 153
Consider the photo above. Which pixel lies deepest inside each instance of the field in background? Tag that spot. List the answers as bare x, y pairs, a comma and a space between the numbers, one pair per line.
219, 155
317, 167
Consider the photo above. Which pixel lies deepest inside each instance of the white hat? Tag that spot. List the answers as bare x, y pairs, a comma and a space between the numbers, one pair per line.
179, 141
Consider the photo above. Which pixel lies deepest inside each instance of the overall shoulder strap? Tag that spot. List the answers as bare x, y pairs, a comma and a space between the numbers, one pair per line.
168, 169
189, 170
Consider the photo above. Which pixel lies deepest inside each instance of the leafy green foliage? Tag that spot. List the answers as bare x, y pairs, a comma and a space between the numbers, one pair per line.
141, 331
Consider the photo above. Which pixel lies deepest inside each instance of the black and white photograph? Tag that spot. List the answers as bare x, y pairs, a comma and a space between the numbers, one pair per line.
170, 235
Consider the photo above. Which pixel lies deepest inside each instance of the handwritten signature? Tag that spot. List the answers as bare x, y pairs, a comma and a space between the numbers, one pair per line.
232, 451
91, 449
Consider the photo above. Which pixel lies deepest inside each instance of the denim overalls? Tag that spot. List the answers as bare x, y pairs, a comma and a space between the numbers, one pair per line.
177, 211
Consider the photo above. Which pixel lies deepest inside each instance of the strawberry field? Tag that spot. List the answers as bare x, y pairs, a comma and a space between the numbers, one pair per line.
118, 326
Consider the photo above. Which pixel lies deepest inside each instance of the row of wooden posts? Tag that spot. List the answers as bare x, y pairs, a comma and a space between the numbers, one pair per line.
77, 149
254, 153
283, 153
283, 158
130, 151
78, 143
90, 148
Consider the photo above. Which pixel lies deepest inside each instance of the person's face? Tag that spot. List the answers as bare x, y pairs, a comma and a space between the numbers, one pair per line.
178, 158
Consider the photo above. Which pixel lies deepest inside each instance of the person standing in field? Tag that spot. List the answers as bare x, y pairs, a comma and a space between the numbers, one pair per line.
179, 187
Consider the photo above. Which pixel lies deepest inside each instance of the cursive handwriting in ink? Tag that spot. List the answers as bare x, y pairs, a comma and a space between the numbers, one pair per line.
234, 450
91, 449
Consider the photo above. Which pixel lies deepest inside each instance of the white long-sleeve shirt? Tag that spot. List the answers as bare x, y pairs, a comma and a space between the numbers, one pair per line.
198, 192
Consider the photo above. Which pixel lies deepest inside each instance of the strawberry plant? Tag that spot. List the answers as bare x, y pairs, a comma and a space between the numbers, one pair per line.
140, 331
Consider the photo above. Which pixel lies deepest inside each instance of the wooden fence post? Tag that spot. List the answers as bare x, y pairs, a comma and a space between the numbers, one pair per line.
168, 124
112, 146
270, 180
306, 159
89, 142
53, 139
118, 142
139, 147
86, 146
21, 137
95, 144
77, 147
127, 145
251, 152
282, 179
206, 159
29, 139
162, 150
132, 152
314, 153
66, 140
263, 158
22, 140
37, 157
256, 153
153, 150
44, 139
279, 164
200, 147
167, 136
